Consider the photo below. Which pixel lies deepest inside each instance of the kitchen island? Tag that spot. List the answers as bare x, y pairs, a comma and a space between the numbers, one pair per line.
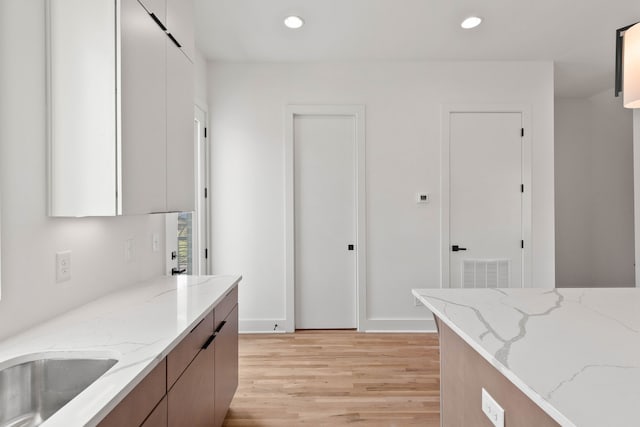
154, 330
548, 356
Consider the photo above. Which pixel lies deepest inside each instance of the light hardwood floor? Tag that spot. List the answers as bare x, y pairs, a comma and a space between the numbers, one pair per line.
322, 378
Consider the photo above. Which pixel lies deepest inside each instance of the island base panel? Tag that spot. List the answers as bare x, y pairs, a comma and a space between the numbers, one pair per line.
463, 375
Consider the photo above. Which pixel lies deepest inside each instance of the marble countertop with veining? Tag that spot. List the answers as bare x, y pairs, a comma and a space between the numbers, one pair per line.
574, 352
137, 326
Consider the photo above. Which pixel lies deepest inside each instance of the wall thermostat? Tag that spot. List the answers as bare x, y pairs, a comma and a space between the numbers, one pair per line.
422, 198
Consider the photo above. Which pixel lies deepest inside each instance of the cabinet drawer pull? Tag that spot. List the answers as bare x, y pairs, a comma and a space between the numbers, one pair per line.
160, 24
220, 326
173, 39
208, 342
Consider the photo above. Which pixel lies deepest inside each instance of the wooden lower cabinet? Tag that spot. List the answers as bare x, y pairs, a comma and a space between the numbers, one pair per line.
194, 385
226, 366
463, 375
190, 400
158, 418
141, 401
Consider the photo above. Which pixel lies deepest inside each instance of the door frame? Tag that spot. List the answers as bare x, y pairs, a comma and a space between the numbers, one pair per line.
201, 237
358, 113
203, 183
445, 188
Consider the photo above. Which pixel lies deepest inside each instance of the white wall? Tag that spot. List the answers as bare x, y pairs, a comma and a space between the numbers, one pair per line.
29, 238
594, 192
403, 104
636, 189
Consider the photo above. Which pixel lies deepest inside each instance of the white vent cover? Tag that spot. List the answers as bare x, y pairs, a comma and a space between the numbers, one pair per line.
486, 273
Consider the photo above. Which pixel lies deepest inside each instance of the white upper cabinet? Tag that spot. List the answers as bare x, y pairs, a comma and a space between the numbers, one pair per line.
180, 127
143, 111
120, 107
180, 25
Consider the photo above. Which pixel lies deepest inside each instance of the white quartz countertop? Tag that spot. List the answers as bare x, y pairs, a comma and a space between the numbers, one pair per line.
574, 352
137, 326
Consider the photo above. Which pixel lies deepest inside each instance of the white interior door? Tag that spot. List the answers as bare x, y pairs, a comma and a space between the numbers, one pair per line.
325, 221
186, 233
485, 212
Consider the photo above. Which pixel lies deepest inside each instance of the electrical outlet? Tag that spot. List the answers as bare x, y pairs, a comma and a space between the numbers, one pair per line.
129, 250
492, 410
155, 242
63, 266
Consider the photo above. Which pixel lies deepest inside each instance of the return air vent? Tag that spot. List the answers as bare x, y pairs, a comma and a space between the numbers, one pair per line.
486, 273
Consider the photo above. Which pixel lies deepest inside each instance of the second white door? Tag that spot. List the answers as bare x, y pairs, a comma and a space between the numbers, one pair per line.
325, 221
485, 211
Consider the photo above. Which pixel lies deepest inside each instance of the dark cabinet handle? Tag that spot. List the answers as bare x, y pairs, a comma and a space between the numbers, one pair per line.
208, 342
456, 248
220, 326
160, 24
175, 271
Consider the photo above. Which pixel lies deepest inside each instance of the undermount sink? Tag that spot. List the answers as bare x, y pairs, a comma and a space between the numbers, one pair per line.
30, 392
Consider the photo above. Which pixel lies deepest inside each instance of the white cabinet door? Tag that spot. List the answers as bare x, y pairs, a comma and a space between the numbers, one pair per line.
180, 139
180, 24
143, 111
156, 7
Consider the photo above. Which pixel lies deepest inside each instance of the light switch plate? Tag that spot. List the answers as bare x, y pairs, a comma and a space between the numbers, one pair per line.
129, 250
63, 266
155, 242
492, 410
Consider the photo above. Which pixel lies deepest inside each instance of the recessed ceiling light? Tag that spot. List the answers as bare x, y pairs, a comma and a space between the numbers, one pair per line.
471, 22
293, 22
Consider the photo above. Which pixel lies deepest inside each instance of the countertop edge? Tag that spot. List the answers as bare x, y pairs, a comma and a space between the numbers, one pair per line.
514, 379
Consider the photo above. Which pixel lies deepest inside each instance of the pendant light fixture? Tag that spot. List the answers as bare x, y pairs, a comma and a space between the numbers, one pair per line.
631, 68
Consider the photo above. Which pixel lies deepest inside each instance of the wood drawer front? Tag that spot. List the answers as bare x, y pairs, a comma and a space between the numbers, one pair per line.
190, 400
226, 366
186, 351
158, 417
225, 306
139, 403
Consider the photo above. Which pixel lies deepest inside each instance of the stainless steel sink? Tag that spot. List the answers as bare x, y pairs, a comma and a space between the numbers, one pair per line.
31, 392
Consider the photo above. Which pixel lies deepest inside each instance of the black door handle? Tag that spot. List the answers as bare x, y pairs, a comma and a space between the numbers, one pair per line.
175, 271
456, 248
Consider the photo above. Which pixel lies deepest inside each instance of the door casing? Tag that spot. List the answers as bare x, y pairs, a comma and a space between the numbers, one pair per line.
445, 243
358, 113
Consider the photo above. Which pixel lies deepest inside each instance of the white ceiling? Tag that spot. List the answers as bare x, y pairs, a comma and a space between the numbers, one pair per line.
578, 35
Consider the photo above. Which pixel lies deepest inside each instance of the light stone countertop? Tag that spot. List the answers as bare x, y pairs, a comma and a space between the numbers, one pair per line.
574, 352
138, 326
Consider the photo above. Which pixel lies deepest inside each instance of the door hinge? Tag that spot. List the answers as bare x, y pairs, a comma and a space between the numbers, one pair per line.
206, 253
206, 193
522, 244
522, 188
521, 131
205, 132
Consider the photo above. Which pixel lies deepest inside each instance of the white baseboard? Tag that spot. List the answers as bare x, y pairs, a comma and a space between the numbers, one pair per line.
262, 326
371, 325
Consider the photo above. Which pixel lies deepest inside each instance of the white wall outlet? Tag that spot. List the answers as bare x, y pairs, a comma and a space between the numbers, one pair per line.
63, 266
423, 198
129, 250
155, 242
492, 410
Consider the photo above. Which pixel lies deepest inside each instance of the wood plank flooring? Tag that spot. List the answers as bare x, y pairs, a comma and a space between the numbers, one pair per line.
322, 378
